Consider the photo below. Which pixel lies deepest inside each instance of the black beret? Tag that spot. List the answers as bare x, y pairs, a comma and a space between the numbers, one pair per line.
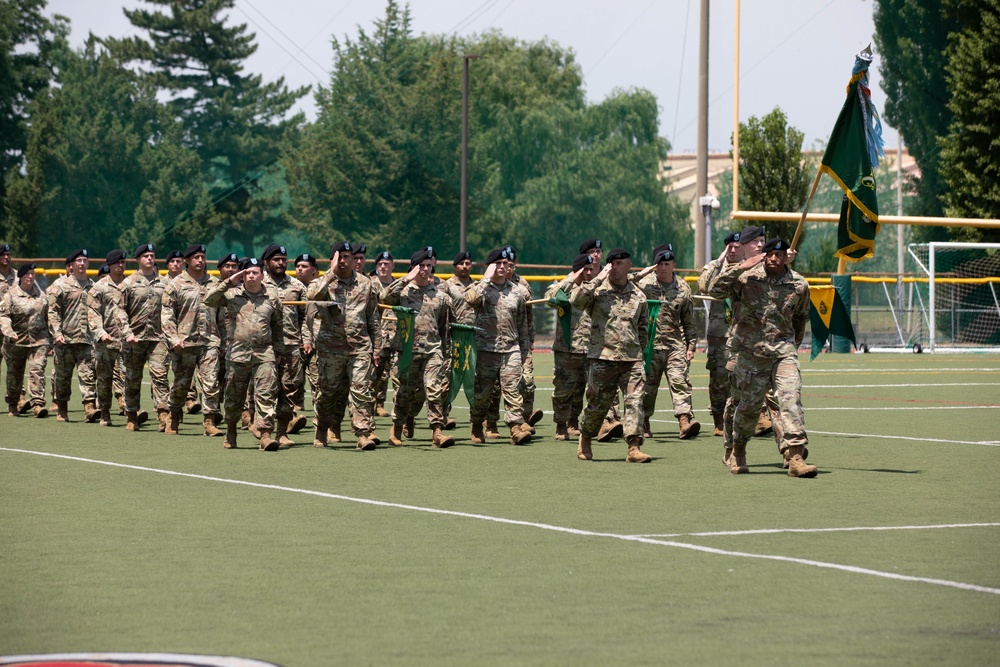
4, 247
114, 257
226, 259
306, 257
194, 249
247, 262
25, 268
420, 256
775, 244
103, 270
590, 244
617, 253
511, 252
663, 246
174, 254
581, 261
430, 252
384, 255
497, 255
732, 237
142, 249
82, 252
272, 250
663, 256
750, 233
461, 257
360, 249
339, 246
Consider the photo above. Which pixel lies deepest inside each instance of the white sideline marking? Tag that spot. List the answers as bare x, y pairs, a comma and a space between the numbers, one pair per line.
986, 443
773, 531
531, 524
879, 371
915, 384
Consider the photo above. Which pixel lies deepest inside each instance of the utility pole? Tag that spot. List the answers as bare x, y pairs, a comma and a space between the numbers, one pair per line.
465, 152
700, 258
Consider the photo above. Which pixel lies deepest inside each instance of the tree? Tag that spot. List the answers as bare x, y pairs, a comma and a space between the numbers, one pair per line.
970, 151
236, 122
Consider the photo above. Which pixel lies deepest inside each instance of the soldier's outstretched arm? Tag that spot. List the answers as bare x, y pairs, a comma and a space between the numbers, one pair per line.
801, 315
216, 297
582, 295
6, 325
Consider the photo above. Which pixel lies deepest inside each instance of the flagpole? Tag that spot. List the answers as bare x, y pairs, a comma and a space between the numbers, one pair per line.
805, 211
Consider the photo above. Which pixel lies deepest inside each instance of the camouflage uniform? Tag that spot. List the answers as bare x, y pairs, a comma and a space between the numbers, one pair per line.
67, 314
24, 325
430, 367
7, 281
502, 340
675, 337
618, 317
255, 338
349, 332
291, 373
461, 311
570, 374
310, 329
387, 369
186, 318
769, 319
106, 317
718, 331
143, 299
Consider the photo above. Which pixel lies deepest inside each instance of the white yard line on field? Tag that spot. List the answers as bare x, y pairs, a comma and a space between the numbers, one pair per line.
774, 531
530, 524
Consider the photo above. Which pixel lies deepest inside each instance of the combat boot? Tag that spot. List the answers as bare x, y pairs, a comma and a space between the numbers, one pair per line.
478, 436
636, 455
450, 424
132, 421
246, 419
162, 417
175, 423
121, 406
520, 434
583, 450
320, 437
90, 412
610, 430
24, 406
282, 434
230, 442
142, 417
380, 410
408, 427
720, 424
396, 435
646, 431
492, 431
40, 412
738, 461
534, 416
297, 423
62, 414
727, 457
797, 466
210, 429
335, 432
573, 427
366, 443
689, 427
561, 434
440, 440
12, 410
106, 417
764, 425
254, 430
192, 407
784, 463
267, 443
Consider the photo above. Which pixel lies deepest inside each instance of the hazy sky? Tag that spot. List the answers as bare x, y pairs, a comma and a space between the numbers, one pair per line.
796, 55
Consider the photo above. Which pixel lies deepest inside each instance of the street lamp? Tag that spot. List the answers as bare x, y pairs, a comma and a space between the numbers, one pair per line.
708, 204
463, 205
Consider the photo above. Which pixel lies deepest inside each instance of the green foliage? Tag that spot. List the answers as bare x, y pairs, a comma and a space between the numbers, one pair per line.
970, 151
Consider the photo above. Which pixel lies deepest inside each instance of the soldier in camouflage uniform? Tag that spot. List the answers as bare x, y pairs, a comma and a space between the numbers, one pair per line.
385, 371
349, 335
618, 317
307, 271
143, 292
461, 311
527, 385
175, 265
570, 360
674, 344
768, 326
256, 339
24, 327
719, 319
359, 250
191, 329
8, 277
502, 340
69, 329
108, 324
428, 374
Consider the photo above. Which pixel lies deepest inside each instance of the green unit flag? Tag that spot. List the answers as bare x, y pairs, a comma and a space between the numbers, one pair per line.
463, 361
404, 326
827, 315
654, 312
560, 301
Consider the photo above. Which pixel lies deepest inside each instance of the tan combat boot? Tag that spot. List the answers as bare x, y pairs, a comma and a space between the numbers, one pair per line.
520, 434
366, 443
12, 410
797, 466
583, 450
646, 431
121, 406
90, 412
142, 417
534, 416
738, 461
254, 430
440, 440
689, 427
132, 421
162, 416
409, 427
636, 455
764, 425
450, 424
380, 410
720, 424
246, 419
174, 424
335, 432
40, 412
492, 431
282, 435
210, 429
297, 423
230, 442
62, 414
192, 407
784, 463
727, 457
23, 406
396, 435
320, 437
267, 443
478, 436
610, 430
561, 434
106, 417
573, 427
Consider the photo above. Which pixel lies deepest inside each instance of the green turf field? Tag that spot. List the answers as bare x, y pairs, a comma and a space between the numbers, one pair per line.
493, 554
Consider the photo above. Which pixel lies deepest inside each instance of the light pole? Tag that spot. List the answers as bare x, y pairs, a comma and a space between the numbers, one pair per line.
465, 151
708, 204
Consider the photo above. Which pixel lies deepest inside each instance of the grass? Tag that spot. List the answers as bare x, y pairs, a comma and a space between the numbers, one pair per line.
96, 557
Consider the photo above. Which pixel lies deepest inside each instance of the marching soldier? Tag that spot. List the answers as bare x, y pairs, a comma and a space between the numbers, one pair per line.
175, 265
108, 326
384, 264
719, 320
431, 359
227, 266
461, 311
67, 314
618, 317
307, 270
24, 326
527, 386
359, 250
